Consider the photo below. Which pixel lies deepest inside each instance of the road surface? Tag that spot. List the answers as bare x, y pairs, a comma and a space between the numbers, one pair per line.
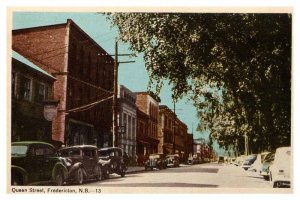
210, 177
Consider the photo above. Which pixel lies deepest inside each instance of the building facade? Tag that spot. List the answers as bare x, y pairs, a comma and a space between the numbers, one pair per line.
30, 88
166, 130
84, 80
189, 143
147, 130
127, 120
173, 135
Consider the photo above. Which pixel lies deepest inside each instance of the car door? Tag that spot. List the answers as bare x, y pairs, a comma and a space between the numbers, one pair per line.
37, 172
87, 160
50, 159
32, 165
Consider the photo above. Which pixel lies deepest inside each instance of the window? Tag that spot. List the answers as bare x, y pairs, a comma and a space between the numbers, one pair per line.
40, 92
129, 127
133, 128
26, 88
13, 84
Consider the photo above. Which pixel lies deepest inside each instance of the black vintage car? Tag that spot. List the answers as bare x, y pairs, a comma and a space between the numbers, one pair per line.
112, 160
173, 160
82, 162
157, 161
36, 163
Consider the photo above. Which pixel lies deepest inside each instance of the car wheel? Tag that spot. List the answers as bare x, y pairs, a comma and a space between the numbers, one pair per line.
161, 167
266, 178
123, 173
98, 173
79, 176
59, 178
16, 180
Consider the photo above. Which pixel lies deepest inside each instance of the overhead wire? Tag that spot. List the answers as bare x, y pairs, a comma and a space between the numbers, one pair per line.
88, 106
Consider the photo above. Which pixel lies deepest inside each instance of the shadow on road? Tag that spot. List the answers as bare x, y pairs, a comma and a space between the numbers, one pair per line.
159, 185
191, 170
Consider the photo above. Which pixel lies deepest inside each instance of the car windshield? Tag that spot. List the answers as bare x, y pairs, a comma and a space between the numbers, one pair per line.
104, 153
154, 156
19, 150
69, 152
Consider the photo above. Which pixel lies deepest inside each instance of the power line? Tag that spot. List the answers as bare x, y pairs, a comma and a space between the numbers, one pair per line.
72, 77
88, 106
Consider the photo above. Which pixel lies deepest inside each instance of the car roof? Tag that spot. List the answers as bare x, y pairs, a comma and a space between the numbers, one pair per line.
27, 143
110, 148
80, 147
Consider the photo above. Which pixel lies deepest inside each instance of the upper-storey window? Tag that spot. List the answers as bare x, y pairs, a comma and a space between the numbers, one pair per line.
40, 92
26, 88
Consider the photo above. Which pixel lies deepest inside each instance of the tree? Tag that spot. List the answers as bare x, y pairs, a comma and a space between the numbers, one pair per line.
245, 57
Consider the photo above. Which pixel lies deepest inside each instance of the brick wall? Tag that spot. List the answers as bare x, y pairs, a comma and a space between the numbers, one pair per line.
47, 47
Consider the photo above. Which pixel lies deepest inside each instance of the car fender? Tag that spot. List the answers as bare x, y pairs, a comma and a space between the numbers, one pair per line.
59, 166
75, 167
21, 171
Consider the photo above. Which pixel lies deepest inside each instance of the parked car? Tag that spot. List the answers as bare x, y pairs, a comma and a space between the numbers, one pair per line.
36, 163
281, 168
221, 159
257, 165
191, 160
82, 163
266, 165
157, 161
232, 160
113, 161
172, 160
239, 160
249, 161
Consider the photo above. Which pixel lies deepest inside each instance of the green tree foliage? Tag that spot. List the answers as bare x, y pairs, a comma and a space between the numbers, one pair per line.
236, 66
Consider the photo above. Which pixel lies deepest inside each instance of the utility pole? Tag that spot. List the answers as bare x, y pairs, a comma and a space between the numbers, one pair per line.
174, 122
115, 112
115, 96
246, 145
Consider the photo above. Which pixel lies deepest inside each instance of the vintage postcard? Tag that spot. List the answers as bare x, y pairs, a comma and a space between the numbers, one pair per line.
149, 100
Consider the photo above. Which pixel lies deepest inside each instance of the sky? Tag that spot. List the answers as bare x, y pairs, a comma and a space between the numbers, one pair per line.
133, 75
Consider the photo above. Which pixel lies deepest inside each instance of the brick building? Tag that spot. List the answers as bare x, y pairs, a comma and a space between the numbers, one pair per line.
30, 87
84, 78
180, 136
166, 130
147, 129
189, 143
171, 126
127, 119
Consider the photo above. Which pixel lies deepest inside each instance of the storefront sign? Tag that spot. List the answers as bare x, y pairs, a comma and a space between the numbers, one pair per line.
50, 112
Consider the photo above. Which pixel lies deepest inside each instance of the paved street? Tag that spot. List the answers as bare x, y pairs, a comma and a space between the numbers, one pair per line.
195, 178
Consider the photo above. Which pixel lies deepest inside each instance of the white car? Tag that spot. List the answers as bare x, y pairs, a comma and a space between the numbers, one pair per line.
280, 169
257, 165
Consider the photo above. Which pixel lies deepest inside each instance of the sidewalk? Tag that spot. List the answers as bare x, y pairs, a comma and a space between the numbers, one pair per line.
135, 169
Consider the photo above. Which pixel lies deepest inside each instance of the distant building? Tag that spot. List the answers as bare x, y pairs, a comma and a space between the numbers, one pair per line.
127, 120
180, 136
166, 130
30, 87
84, 78
173, 134
147, 131
189, 149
